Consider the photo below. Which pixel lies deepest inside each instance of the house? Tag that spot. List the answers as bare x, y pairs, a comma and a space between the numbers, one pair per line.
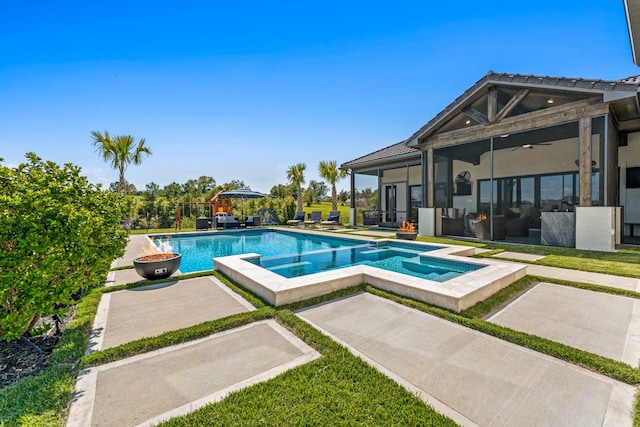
537, 149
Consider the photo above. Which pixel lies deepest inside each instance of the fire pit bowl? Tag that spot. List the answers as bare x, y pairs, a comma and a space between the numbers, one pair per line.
157, 266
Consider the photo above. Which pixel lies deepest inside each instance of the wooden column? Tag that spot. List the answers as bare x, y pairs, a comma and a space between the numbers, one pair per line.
430, 202
352, 176
492, 104
612, 164
424, 178
352, 210
585, 161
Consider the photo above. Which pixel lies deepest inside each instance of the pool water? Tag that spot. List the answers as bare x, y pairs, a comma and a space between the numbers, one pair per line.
297, 254
198, 250
391, 256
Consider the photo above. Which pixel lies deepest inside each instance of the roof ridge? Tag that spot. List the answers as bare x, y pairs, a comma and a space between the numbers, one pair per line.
373, 155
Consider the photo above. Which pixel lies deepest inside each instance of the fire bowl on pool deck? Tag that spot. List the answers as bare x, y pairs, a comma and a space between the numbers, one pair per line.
157, 266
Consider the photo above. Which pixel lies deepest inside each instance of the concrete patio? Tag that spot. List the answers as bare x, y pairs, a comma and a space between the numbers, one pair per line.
471, 377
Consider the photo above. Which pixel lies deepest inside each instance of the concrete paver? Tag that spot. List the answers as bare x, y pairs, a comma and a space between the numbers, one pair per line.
471, 377
138, 244
149, 388
608, 325
123, 277
519, 256
628, 283
128, 315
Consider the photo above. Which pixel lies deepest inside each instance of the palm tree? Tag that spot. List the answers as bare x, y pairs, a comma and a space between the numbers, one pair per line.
295, 175
329, 171
119, 152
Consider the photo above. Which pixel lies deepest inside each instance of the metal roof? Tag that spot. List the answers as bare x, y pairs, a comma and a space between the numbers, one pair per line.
397, 150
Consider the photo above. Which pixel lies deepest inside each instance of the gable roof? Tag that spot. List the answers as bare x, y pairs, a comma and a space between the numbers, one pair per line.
396, 151
626, 87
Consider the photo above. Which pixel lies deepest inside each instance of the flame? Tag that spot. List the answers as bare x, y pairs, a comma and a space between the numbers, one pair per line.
163, 247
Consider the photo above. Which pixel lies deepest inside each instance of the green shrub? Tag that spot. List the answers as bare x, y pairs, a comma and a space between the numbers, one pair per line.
58, 237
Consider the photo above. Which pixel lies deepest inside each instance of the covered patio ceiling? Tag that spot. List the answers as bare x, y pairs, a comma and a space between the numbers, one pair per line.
471, 152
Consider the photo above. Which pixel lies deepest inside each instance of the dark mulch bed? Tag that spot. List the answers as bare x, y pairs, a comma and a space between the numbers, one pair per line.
19, 360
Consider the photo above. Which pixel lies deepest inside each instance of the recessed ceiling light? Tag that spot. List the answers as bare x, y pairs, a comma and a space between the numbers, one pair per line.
550, 101
468, 122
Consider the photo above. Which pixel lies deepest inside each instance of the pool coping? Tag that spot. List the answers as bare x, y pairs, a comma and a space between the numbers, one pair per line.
456, 294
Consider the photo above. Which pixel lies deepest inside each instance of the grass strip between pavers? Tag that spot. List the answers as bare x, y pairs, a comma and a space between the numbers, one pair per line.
603, 365
145, 345
625, 262
337, 389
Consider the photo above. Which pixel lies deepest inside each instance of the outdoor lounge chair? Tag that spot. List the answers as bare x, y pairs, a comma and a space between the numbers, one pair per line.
332, 220
252, 221
315, 218
296, 219
226, 221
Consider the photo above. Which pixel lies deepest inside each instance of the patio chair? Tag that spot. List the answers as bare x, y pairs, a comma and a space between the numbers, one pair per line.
315, 218
296, 219
482, 229
252, 221
332, 220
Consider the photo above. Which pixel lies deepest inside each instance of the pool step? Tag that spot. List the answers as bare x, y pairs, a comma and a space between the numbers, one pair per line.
287, 266
414, 264
374, 251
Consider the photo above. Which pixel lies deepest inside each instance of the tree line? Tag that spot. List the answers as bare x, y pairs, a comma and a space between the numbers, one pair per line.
157, 207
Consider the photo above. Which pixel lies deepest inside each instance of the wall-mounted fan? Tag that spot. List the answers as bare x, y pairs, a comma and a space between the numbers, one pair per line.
463, 187
463, 176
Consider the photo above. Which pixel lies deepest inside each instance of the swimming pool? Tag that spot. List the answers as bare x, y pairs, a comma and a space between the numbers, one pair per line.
291, 254
198, 250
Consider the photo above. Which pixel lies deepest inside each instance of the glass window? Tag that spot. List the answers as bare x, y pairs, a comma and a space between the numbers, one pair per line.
485, 196
415, 195
550, 193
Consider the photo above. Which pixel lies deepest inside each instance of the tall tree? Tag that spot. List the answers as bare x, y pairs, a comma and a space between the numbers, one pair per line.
320, 190
295, 175
329, 171
119, 152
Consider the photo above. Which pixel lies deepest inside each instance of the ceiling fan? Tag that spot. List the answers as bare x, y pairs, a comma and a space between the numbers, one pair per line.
529, 146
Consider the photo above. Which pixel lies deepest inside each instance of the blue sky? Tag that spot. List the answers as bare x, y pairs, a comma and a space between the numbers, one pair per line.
243, 90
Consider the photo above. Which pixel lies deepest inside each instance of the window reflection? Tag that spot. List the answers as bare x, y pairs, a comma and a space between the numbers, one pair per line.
528, 196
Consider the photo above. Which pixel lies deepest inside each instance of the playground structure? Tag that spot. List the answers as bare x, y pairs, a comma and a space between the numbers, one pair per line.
215, 205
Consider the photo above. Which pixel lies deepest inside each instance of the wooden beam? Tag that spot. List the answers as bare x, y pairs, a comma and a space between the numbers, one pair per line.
476, 115
629, 125
569, 112
430, 178
513, 102
584, 153
492, 104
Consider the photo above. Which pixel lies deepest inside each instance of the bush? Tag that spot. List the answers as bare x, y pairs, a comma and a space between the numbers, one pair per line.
58, 237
